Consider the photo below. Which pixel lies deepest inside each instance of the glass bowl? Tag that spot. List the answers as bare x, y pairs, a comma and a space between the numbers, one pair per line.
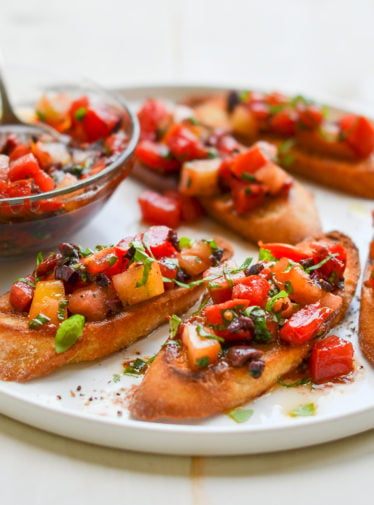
53, 216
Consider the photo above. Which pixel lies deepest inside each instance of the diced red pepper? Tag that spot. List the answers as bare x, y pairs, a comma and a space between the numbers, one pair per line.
157, 239
110, 261
253, 288
184, 144
358, 133
284, 251
156, 155
159, 209
27, 166
21, 293
305, 324
246, 196
98, 122
331, 358
153, 116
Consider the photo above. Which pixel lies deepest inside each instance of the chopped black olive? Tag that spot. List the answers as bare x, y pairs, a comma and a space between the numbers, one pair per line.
232, 100
254, 269
256, 367
238, 356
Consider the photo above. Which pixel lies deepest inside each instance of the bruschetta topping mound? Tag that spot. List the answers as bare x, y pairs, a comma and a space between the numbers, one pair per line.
75, 285
252, 113
258, 322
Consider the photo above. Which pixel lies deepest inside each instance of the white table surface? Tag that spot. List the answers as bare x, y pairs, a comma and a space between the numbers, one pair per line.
321, 48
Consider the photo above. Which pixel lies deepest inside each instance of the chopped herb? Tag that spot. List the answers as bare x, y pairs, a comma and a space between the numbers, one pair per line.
85, 252
174, 324
185, 242
309, 409
244, 95
80, 113
258, 316
321, 263
41, 115
38, 321
212, 243
265, 255
69, 332
287, 158
273, 299
212, 153
202, 362
246, 263
116, 377
112, 259
248, 177
174, 342
301, 382
61, 309
288, 287
147, 265
39, 258
26, 281
193, 121
137, 367
202, 305
201, 331
240, 415
274, 109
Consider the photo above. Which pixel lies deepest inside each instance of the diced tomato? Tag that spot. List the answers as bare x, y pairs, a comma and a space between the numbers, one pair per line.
27, 166
43, 157
310, 116
116, 142
78, 109
159, 209
201, 351
153, 116
358, 133
284, 122
190, 207
168, 269
21, 293
98, 122
19, 151
49, 205
260, 110
305, 324
284, 251
331, 358
157, 239
184, 144
19, 188
333, 268
246, 196
156, 155
110, 261
253, 288
10, 143
249, 161
215, 314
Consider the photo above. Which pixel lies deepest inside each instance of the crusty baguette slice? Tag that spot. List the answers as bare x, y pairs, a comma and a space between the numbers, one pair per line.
26, 354
171, 390
366, 321
288, 218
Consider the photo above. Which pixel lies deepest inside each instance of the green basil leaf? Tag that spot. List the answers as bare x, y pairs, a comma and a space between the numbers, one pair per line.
321, 263
240, 415
265, 255
200, 331
38, 321
69, 332
301, 382
116, 377
308, 409
174, 324
273, 299
80, 113
185, 242
202, 362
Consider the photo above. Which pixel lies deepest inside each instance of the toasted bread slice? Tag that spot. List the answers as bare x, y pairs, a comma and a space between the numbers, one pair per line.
366, 322
29, 353
172, 390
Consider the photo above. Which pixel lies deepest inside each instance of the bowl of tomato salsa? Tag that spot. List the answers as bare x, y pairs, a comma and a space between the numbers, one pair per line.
51, 185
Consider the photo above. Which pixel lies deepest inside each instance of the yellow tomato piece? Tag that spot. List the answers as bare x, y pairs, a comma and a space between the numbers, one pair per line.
273, 177
201, 351
132, 286
196, 259
46, 300
200, 177
244, 123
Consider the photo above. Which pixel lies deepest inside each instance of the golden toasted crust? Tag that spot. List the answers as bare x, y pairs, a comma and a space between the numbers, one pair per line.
289, 218
26, 354
171, 390
366, 321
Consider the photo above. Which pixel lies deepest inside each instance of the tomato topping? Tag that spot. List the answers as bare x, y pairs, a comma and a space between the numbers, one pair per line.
159, 209
190, 207
215, 314
19, 151
21, 293
153, 116
98, 122
110, 261
77, 109
156, 155
184, 144
27, 166
358, 133
157, 239
310, 116
333, 269
249, 161
331, 357
253, 288
305, 324
284, 122
246, 196
284, 251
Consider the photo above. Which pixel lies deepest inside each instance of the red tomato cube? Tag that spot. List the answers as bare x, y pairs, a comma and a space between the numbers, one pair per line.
331, 357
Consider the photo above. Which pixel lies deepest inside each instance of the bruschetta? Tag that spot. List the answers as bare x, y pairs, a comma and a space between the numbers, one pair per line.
243, 188
333, 148
366, 325
261, 321
82, 304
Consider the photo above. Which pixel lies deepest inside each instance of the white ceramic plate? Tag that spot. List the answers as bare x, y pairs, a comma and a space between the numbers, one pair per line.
85, 401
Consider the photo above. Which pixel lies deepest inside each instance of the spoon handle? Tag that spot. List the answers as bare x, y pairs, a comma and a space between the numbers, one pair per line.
8, 115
